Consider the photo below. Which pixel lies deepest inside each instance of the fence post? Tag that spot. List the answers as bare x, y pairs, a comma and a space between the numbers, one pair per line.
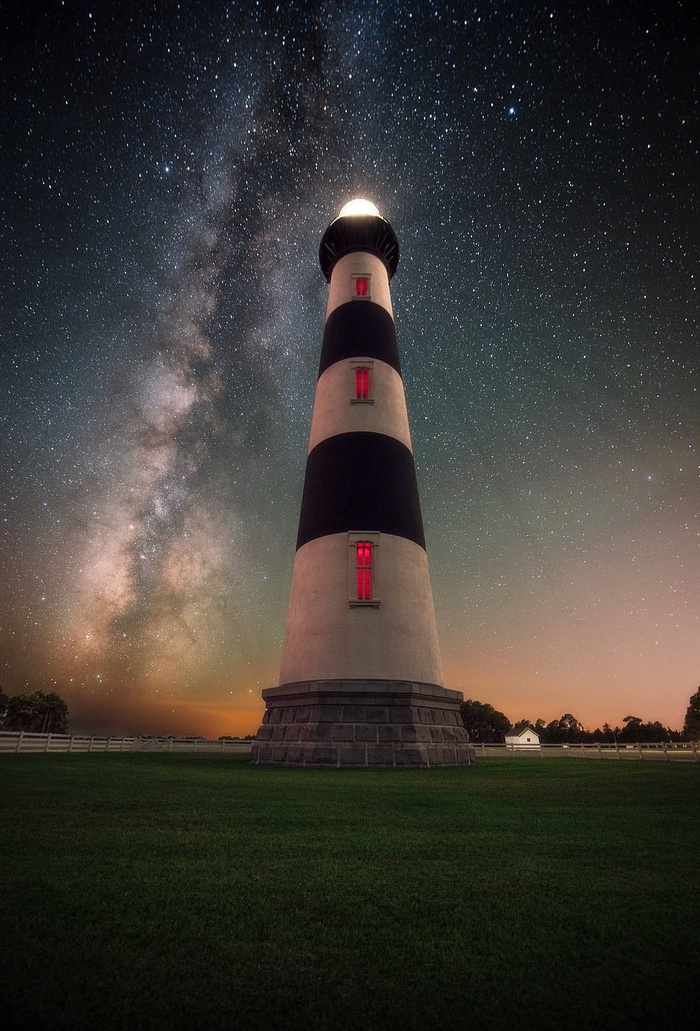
90, 745
600, 750
695, 750
617, 748
48, 742
639, 749
663, 743
19, 741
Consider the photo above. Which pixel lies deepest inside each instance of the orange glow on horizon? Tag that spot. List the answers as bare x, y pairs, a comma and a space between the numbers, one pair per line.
182, 717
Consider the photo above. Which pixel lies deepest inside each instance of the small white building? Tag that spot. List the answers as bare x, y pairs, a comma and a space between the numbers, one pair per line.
523, 737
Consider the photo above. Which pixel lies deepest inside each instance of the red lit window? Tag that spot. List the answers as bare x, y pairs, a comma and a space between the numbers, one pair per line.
362, 384
361, 286
363, 554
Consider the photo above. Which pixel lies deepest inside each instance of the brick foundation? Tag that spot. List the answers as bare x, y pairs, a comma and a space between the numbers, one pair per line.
362, 723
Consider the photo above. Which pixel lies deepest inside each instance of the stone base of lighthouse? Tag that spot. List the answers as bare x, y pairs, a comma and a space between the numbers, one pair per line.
362, 723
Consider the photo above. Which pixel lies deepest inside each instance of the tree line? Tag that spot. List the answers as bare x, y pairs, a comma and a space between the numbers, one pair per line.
39, 713
486, 724
46, 713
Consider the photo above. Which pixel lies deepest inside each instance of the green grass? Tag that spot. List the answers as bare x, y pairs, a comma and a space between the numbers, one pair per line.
195, 891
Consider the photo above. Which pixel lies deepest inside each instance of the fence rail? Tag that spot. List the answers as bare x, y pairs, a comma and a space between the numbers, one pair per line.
12, 741
24, 741
664, 751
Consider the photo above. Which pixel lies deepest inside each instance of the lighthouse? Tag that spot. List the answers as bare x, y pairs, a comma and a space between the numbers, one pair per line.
361, 680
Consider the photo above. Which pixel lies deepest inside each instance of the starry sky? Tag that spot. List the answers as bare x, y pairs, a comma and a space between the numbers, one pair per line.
168, 171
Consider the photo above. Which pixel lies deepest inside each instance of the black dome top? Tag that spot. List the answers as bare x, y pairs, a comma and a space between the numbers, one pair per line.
349, 233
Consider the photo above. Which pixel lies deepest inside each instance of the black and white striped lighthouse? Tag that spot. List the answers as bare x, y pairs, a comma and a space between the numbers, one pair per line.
361, 677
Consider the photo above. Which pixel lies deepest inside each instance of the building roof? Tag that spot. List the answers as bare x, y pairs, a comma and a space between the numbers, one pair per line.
518, 731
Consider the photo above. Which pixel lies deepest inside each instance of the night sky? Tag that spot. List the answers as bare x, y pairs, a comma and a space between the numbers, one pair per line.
168, 171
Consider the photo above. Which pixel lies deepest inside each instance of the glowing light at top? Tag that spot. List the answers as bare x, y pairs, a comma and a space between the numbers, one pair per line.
359, 206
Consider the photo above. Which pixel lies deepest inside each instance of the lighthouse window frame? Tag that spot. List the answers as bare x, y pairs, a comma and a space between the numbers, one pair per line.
363, 570
362, 376
361, 286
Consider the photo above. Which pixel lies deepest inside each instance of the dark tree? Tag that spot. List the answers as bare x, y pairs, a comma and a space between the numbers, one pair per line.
654, 732
604, 735
483, 723
38, 712
691, 727
632, 729
562, 730
636, 730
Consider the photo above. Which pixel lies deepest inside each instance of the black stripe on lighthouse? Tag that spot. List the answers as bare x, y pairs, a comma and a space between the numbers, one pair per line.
359, 328
360, 481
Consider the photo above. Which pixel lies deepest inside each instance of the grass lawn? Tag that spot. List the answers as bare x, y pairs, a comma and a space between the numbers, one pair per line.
196, 891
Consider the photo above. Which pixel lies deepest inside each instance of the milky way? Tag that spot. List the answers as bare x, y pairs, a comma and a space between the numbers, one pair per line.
170, 172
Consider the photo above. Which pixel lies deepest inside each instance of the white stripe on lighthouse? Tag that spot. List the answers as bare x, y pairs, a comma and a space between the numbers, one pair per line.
327, 638
342, 284
336, 409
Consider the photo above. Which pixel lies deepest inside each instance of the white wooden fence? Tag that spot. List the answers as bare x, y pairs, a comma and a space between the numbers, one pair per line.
23, 741
666, 751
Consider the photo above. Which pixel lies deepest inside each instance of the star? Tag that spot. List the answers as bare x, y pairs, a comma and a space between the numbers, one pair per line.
162, 325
